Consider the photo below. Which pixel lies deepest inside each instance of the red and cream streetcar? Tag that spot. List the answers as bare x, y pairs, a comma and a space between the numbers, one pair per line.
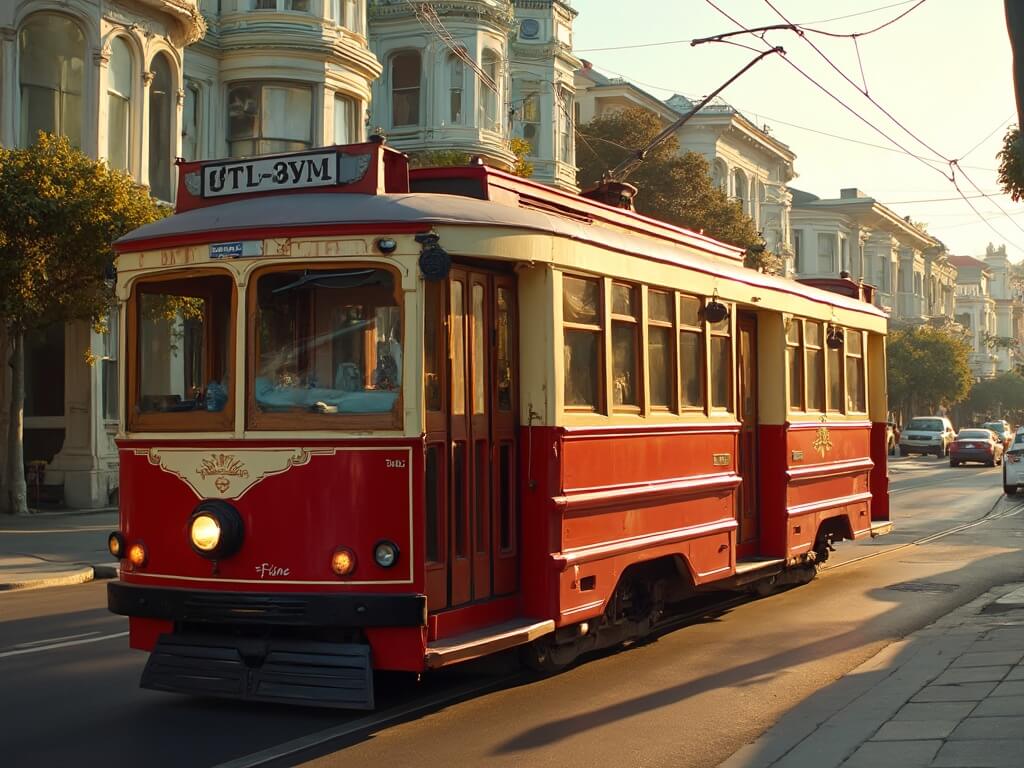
376, 419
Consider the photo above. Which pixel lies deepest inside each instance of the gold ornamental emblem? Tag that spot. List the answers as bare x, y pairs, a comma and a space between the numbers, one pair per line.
221, 466
822, 441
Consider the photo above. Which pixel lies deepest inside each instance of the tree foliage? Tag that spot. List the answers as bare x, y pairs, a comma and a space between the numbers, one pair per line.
1011, 164
928, 368
1002, 394
674, 188
443, 158
60, 212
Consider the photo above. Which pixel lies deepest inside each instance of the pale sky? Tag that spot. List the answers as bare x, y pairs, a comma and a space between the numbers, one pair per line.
943, 71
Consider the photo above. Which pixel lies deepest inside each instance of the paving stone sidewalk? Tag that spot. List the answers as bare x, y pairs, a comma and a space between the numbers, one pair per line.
950, 695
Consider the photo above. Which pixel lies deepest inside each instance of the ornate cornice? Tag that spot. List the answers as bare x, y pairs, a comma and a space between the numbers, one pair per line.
190, 22
498, 12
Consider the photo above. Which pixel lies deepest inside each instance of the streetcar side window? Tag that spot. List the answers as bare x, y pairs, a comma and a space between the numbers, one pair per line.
856, 400
814, 365
182, 329
835, 371
661, 363
721, 362
625, 347
691, 352
327, 346
584, 338
795, 363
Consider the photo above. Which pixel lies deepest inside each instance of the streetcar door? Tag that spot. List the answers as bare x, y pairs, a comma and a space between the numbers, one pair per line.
482, 557
746, 408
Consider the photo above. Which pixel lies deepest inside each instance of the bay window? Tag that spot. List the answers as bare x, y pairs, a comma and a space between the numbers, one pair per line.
265, 118
52, 71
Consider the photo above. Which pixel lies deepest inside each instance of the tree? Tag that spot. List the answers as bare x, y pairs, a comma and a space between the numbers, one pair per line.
674, 188
1011, 164
443, 158
60, 212
1003, 395
928, 368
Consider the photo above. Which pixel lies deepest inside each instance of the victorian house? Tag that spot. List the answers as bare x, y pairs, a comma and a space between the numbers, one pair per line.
744, 160
915, 278
976, 313
468, 76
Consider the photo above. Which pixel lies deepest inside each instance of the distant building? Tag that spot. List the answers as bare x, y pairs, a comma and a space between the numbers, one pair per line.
976, 313
745, 162
854, 233
1009, 332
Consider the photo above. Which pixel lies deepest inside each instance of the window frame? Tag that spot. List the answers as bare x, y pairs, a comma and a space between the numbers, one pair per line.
259, 136
186, 421
127, 100
823, 379
62, 90
255, 420
392, 59
852, 407
601, 333
729, 333
672, 325
700, 329
634, 321
797, 348
830, 353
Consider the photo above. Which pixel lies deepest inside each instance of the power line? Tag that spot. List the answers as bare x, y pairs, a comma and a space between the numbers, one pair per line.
988, 136
855, 35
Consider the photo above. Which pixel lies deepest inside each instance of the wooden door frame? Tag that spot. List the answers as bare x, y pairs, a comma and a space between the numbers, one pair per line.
747, 509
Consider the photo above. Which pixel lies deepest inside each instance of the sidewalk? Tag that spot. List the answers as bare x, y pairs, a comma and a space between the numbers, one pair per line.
950, 695
51, 549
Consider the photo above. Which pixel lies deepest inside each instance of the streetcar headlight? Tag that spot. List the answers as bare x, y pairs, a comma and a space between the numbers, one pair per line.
385, 553
343, 561
205, 532
215, 530
115, 544
137, 554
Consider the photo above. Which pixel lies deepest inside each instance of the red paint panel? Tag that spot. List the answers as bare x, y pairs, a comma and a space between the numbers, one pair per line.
143, 633
880, 472
774, 455
400, 649
293, 521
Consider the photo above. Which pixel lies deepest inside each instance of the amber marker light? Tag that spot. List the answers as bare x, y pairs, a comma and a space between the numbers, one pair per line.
343, 561
137, 554
115, 544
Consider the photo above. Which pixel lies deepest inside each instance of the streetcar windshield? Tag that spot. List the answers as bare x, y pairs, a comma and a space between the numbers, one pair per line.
183, 330
328, 342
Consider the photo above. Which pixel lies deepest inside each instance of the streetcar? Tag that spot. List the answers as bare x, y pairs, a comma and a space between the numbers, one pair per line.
381, 419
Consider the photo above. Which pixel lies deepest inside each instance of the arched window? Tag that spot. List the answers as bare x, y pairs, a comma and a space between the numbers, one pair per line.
489, 97
52, 66
720, 176
346, 129
119, 104
161, 114
456, 86
740, 189
405, 89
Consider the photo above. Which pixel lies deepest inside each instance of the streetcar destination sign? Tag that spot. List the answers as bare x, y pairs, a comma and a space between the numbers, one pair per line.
273, 174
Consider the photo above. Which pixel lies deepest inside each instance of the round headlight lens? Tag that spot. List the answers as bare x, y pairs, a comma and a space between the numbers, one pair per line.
137, 554
115, 544
205, 532
385, 553
215, 530
343, 561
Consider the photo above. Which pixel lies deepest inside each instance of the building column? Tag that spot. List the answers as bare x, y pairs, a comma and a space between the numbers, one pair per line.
8, 86
147, 80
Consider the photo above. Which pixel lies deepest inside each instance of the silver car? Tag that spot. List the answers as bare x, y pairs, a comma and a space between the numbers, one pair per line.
927, 435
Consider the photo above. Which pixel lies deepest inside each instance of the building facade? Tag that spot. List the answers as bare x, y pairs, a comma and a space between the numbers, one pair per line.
853, 233
745, 162
469, 75
976, 313
109, 77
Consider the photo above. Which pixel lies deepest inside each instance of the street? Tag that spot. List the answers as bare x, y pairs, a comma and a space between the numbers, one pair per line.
690, 697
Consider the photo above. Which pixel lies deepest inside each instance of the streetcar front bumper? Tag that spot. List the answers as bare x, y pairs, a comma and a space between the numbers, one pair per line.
266, 647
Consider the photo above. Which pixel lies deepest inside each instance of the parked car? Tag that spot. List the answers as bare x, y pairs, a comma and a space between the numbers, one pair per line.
1013, 464
1003, 431
892, 437
927, 435
981, 445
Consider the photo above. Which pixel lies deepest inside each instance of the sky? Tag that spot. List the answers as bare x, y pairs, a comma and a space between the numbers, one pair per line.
943, 72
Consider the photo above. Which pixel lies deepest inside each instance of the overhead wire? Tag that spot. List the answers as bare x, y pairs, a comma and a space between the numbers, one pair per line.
953, 166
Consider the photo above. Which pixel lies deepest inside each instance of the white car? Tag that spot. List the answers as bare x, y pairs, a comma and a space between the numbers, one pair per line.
1013, 464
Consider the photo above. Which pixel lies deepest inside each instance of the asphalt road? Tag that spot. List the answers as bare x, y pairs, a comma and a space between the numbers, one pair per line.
69, 696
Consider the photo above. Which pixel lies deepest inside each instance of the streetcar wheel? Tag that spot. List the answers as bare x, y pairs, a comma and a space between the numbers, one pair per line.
1010, 490
540, 656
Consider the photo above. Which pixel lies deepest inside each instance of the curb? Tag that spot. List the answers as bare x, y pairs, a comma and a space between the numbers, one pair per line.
79, 575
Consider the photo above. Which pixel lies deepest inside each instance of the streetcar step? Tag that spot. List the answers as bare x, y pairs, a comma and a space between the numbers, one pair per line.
880, 527
470, 645
744, 567
288, 672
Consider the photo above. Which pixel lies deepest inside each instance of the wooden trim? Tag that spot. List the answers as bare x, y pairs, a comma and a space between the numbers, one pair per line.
255, 420
800, 426
829, 469
182, 421
702, 427
645, 493
587, 554
829, 503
